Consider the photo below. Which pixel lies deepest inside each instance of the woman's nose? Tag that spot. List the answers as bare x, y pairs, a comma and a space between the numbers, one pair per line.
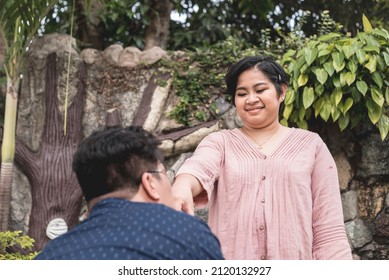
252, 98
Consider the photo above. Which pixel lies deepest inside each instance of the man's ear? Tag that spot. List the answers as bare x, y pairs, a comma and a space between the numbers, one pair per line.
149, 184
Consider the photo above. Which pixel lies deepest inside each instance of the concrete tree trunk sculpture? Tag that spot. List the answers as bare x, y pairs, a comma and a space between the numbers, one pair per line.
54, 188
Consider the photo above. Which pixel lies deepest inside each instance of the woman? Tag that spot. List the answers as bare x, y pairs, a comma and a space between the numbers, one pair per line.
273, 191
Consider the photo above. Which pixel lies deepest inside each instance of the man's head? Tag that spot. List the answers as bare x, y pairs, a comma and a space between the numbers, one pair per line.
122, 160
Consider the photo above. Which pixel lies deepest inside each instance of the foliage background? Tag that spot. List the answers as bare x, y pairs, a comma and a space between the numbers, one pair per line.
202, 23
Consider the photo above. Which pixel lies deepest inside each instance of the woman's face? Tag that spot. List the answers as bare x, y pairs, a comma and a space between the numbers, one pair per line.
256, 99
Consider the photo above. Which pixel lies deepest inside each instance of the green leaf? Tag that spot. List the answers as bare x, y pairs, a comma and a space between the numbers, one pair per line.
319, 89
294, 117
383, 126
301, 113
321, 75
372, 64
288, 54
355, 94
324, 52
287, 111
302, 80
372, 49
362, 87
335, 113
347, 105
381, 32
300, 63
377, 79
387, 95
284, 122
352, 66
290, 97
336, 81
328, 36
386, 57
338, 58
337, 96
361, 56
329, 68
304, 68
374, 111
308, 97
366, 24
310, 55
338, 61
318, 105
338, 67
377, 96
343, 79
343, 121
295, 85
326, 111
348, 51
350, 78
302, 124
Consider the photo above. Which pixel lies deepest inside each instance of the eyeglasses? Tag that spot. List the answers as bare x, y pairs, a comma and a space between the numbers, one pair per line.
170, 173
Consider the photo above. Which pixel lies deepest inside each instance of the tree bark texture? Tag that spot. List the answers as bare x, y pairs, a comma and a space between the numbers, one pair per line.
157, 32
54, 188
5, 194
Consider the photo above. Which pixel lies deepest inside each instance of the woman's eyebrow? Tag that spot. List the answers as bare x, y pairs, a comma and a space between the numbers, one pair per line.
257, 84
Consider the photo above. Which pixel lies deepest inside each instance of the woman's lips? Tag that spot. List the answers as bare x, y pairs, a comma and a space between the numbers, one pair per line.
254, 109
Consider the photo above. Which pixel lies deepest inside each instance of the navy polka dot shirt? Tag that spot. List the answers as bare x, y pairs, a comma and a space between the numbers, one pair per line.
118, 229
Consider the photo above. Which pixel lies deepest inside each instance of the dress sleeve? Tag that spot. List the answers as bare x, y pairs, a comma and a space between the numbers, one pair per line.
205, 165
329, 235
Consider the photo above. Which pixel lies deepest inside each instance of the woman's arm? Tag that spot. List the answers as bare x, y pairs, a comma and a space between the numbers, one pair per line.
329, 234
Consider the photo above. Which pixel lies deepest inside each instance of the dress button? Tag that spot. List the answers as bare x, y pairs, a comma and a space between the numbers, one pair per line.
263, 177
261, 227
263, 201
263, 257
264, 157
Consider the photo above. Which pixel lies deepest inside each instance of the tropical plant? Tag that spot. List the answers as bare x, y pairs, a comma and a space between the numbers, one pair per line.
19, 22
340, 78
11, 239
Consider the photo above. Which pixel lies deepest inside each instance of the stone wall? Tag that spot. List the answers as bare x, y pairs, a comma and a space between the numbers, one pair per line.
125, 79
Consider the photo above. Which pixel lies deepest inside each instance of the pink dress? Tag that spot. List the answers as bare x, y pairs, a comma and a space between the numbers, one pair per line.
285, 205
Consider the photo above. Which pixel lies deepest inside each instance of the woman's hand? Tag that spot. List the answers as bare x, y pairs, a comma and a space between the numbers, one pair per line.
185, 187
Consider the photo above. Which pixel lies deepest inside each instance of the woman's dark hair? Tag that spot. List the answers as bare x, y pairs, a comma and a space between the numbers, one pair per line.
265, 64
114, 159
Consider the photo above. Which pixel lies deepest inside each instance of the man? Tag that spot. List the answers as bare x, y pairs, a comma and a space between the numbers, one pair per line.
125, 184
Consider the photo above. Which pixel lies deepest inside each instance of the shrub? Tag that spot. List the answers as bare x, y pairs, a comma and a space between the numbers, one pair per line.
10, 241
340, 78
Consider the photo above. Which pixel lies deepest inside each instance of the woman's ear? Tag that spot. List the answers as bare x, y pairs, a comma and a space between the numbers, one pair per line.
284, 88
150, 186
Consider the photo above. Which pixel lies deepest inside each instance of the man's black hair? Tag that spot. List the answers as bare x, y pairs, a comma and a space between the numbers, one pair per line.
114, 159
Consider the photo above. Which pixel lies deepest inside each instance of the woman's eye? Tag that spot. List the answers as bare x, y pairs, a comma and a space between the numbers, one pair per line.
240, 93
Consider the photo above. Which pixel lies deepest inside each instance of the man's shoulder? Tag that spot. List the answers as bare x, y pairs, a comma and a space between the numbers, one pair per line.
178, 215
180, 221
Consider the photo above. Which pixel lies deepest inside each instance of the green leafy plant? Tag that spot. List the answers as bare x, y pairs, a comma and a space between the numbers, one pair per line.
340, 78
14, 239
